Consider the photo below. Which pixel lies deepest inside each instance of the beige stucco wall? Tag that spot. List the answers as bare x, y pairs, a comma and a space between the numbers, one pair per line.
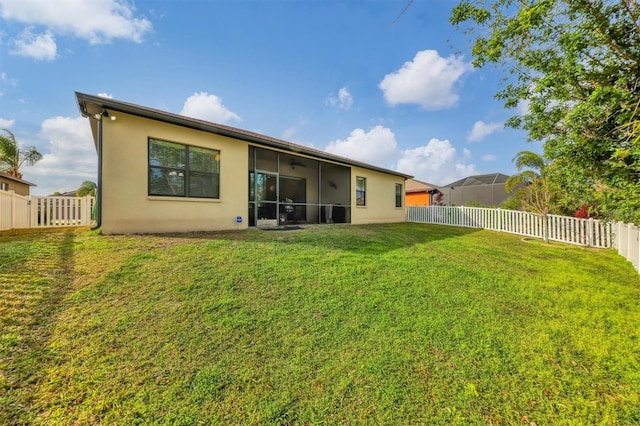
380, 198
19, 187
126, 205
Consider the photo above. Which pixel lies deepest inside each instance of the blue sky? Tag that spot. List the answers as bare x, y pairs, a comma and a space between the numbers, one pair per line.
336, 75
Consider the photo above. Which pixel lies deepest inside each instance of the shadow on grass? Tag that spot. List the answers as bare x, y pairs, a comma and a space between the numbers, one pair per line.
40, 285
372, 239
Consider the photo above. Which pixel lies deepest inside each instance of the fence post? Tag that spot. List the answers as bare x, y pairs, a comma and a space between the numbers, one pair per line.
629, 241
86, 211
35, 210
499, 220
589, 232
638, 247
621, 243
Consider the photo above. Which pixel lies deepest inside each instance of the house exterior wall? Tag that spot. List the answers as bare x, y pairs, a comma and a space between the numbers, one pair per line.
126, 205
19, 187
380, 198
417, 199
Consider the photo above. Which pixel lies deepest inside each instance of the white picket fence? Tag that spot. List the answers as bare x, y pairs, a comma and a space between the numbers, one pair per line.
17, 211
585, 232
627, 242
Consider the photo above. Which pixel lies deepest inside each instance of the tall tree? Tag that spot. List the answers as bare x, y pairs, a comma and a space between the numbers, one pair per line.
576, 64
87, 188
530, 186
12, 158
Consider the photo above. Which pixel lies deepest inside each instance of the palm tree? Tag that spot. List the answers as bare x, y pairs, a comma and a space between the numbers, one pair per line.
526, 159
12, 158
530, 187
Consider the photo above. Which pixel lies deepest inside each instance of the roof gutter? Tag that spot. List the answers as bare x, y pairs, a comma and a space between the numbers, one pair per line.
99, 188
98, 136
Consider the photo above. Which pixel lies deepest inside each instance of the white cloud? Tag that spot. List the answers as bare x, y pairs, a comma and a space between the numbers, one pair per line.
98, 21
5, 123
70, 157
481, 130
209, 108
105, 95
378, 146
344, 100
437, 162
5, 81
489, 157
289, 133
428, 81
523, 107
38, 46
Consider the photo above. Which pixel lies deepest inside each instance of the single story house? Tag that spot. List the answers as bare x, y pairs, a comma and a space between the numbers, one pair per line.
486, 190
164, 172
19, 186
418, 193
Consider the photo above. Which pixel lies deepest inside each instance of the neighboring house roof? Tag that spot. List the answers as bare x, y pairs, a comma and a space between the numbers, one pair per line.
489, 179
64, 194
413, 185
91, 105
15, 179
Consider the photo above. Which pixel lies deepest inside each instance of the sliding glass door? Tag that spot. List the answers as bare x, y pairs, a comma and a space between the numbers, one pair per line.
266, 198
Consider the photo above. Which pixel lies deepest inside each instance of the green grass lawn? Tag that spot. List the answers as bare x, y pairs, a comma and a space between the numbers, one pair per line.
382, 324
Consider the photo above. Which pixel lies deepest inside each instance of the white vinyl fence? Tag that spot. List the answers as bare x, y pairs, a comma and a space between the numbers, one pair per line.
585, 232
627, 242
14, 210
17, 211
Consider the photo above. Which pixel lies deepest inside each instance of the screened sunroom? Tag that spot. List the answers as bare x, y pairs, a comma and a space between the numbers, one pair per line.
289, 189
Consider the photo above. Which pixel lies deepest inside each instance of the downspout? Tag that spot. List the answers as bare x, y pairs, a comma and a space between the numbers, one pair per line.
99, 189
